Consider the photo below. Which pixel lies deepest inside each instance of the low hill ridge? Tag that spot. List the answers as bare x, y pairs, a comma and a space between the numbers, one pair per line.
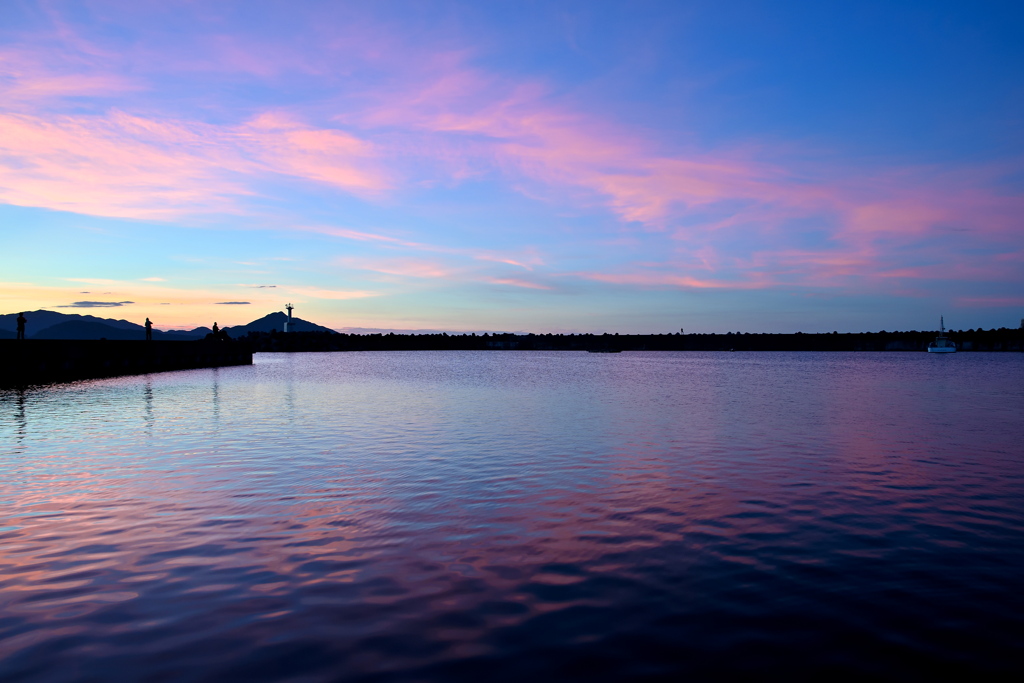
275, 321
44, 324
41, 319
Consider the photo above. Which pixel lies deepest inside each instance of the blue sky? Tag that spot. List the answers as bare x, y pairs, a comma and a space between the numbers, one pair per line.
588, 166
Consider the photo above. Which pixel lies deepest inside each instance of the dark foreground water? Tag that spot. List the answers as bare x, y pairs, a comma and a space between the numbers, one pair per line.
518, 516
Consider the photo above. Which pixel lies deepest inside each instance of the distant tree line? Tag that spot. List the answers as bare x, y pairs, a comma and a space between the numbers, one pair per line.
1003, 339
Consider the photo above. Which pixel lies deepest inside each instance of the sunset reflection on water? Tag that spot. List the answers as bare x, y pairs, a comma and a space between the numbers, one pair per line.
449, 516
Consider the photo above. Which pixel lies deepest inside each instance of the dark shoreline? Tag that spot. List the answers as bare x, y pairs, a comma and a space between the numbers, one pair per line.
45, 361
981, 340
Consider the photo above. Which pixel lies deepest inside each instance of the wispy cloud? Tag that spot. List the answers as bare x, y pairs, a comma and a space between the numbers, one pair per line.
32, 77
515, 282
319, 293
405, 267
93, 281
519, 128
990, 301
128, 166
703, 198
97, 304
232, 303
362, 236
528, 259
655, 279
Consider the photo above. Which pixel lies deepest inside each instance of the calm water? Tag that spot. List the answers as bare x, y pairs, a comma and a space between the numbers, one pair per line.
472, 516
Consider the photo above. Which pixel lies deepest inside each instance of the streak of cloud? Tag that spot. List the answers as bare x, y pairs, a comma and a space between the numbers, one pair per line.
517, 282
128, 166
97, 304
321, 293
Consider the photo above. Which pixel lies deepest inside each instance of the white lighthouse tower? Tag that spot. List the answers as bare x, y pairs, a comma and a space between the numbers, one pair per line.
288, 323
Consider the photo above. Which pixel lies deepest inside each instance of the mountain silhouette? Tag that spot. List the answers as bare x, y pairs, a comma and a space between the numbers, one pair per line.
40, 320
275, 321
86, 329
53, 325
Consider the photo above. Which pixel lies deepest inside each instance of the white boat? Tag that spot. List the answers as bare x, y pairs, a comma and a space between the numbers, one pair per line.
942, 343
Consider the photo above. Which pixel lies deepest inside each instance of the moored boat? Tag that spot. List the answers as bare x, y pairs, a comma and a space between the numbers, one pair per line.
942, 343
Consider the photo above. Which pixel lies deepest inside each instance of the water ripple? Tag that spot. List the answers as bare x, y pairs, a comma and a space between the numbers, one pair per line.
494, 516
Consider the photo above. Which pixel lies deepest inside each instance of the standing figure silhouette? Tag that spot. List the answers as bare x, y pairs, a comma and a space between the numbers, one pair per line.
149, 330
21, 325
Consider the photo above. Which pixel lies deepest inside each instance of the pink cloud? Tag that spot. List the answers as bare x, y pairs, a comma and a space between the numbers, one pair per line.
129, 166
563, 148
669, 280
913, 203
428, 118
339, 294
527, 260
329, 156
975, 270
811, 267
517, 282
558, 153
469, 270
410, 267
519, 130
72, 164
20, 89
45, 67
406, 267
363, 236
990, 302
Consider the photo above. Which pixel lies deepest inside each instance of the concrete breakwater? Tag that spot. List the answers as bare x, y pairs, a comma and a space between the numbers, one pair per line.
42, 361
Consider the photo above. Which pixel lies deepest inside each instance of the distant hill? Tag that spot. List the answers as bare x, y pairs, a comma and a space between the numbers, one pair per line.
40, 320
197, 333
83, 329
275, 321
53, 325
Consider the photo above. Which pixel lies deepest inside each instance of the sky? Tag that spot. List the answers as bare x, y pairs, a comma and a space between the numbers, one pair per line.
522, 166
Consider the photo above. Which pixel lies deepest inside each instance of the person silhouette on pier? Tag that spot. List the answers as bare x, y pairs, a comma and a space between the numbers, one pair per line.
21, 325
149, 330
218, 334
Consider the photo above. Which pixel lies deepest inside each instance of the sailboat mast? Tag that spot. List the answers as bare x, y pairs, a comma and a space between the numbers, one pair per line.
942, 343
